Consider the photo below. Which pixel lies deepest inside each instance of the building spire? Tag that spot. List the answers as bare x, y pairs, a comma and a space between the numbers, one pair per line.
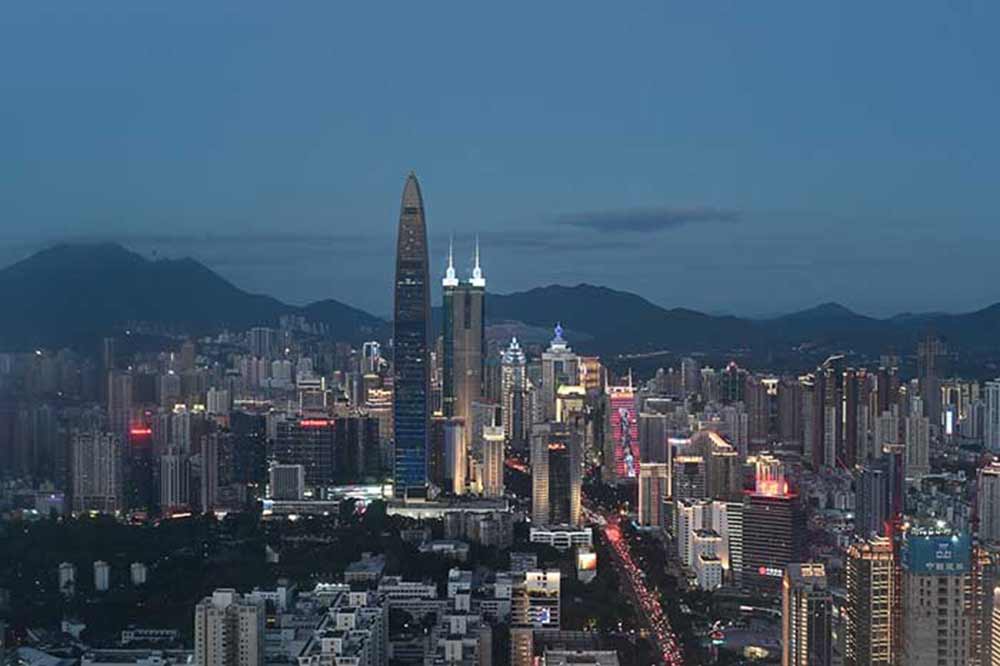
450, 280
478, 280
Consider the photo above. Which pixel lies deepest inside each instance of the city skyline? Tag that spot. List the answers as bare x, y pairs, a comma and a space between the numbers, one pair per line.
777, 182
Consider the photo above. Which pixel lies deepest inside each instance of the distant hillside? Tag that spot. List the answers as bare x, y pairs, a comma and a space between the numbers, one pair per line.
74, 294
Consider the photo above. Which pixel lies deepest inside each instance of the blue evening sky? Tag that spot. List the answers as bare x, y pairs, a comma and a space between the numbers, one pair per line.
747, 157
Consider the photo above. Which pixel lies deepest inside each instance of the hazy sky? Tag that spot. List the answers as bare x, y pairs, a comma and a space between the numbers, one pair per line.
748, 157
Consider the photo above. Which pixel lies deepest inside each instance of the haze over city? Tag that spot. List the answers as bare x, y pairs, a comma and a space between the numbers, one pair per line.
741, 158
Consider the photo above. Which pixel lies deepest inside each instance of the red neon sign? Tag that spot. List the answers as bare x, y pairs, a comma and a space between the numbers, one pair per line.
140, 432
314, 423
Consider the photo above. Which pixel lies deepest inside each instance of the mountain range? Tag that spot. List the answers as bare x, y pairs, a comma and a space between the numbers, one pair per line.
73, 294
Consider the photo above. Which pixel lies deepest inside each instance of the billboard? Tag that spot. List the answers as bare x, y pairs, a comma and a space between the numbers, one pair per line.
937, 554
624, 431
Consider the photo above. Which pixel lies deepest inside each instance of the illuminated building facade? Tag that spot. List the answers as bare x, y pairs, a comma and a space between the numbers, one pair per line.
654, 479
463, 342
937, 571
514, 395
623, 429
870, 578
774, 528
806, 616
411, 346
556, 475
559, 366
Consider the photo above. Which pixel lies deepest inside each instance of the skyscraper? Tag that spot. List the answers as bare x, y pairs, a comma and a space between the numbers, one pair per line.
936, 595
932, 356
871, 594
989, 502
464, 343
556, 475
806, 616
411, 345
774, 527
514, 395
991, 416
559, 366
653, 490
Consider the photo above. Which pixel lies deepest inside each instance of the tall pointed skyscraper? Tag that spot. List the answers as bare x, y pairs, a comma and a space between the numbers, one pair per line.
411, 345
464, 343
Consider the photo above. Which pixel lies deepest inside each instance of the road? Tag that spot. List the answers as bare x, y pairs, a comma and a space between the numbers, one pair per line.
648, 603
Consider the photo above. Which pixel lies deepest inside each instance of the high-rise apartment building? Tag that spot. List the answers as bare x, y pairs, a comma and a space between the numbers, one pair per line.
937, 626
806, 616
870, 578
493, 461
988, 495
654, 480
411, 345
991, 416
229, 630
97, 473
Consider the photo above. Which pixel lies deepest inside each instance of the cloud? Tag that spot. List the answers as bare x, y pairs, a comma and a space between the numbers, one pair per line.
642, 220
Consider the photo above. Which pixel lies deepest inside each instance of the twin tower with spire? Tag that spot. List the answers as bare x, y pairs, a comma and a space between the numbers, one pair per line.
450, 280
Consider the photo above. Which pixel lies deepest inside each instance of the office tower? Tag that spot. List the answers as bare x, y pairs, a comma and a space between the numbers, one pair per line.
556, 475
493, 461
653, 490
988, 484
654, 436
932, 356
774, 527
456, 456
229, 630
723, 465
411, 345
872, 499
97, 474
308, 442
705, 560
870, 579
140, 461
991, 416
622, 450
175, 482
102, 576
936, 594
287, 482
806, 616
514, 392
559, 366
732, 383
464, 343
688, 479
357, 456
917, 437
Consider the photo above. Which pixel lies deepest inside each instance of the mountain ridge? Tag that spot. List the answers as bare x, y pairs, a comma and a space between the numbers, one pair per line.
71, 293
